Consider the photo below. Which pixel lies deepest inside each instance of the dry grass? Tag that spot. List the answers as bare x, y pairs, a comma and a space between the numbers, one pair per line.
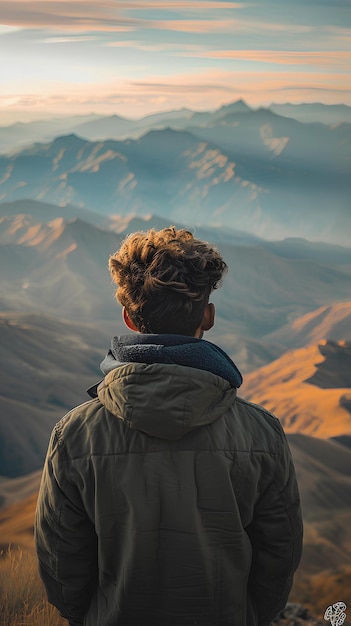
321, 590
22, 597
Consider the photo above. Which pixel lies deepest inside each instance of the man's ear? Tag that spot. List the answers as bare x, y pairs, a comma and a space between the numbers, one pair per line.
128, 322
208, 316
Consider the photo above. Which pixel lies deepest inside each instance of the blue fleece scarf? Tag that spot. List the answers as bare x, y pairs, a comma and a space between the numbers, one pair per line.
171, 349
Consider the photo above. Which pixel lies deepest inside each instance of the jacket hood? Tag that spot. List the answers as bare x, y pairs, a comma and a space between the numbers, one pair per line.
167, 385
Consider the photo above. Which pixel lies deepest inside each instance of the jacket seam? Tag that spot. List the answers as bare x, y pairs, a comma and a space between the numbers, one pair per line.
144, 452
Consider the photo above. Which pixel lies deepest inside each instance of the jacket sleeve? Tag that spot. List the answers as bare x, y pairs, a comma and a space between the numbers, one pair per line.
65, 537
276, 538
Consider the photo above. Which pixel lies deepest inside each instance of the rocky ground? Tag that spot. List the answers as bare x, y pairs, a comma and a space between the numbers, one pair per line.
296, 615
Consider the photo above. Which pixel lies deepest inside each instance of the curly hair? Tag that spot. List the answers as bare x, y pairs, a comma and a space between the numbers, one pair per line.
164, 279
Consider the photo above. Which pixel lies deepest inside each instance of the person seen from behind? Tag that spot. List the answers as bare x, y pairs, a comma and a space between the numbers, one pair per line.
166, 499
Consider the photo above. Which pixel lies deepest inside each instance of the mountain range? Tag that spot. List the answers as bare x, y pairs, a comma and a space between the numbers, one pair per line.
252, 170
97, 127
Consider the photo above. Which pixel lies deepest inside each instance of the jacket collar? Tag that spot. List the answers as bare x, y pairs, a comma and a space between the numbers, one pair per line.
171, 349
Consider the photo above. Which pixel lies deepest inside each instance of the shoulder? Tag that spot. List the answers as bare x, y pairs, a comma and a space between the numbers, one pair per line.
79, 430
260, 414
80, 415
261, 430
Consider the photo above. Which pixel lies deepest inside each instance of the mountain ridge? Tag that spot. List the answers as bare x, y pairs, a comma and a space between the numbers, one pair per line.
238, 173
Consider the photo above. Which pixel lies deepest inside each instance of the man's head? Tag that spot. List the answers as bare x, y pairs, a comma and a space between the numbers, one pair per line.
164, 279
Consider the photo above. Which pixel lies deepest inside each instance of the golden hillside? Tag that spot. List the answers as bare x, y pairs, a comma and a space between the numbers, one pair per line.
289, 388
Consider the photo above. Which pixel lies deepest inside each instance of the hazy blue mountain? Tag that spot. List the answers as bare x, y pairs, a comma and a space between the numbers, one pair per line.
250, 170
116, 127
20, 134
314, 112
112, 126
264, 134
102, 127
166, 116
45, 212
297, 248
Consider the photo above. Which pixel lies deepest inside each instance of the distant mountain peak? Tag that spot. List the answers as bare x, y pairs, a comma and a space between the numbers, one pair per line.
164, 133
239, 106
183, 112
70, 139
119, 117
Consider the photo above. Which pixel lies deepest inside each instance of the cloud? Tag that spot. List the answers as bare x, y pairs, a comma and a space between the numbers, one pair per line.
226, 26
97, 18
68, 39
109, 15
339, 59
161, 58
340, 30
170, 88
65, 15
5, 30
185, 5
191, 26
181, 49
216, 85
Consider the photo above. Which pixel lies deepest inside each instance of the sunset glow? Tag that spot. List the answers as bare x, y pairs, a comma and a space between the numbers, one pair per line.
134, 58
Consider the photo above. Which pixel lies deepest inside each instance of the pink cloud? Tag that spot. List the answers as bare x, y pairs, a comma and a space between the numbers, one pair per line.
212, 88
177, 49
185, 5
108, 15
225, 25
65, 15
341, 59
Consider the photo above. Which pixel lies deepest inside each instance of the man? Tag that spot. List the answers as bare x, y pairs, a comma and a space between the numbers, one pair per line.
167, 500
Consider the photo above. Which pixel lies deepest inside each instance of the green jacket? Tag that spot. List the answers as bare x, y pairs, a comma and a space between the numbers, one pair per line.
168, 501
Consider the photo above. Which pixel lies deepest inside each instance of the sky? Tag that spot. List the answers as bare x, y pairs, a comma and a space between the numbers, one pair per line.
64, 57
